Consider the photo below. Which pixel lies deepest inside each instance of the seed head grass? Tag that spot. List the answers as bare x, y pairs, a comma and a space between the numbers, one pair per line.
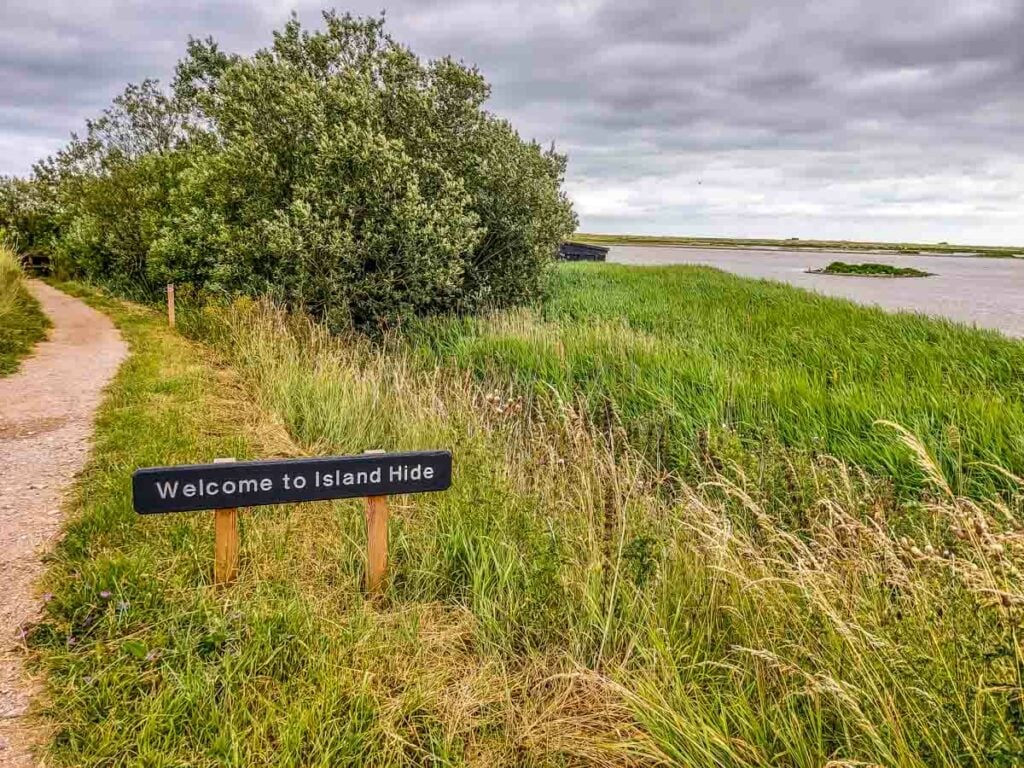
690, 357
572, 600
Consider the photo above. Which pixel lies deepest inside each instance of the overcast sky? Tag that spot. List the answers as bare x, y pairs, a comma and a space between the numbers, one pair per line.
865, 119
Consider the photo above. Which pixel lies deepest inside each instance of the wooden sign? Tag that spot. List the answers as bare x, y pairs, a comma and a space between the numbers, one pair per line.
191, 487
227, 484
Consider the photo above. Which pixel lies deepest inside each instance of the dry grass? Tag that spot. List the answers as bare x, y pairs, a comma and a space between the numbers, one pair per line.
685, 617
565, 603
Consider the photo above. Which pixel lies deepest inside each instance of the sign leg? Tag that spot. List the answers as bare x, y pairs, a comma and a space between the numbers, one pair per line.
225, 521
376, 542
226, 545
170, 304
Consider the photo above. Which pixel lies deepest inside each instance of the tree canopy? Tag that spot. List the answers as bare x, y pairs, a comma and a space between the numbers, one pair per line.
334, 170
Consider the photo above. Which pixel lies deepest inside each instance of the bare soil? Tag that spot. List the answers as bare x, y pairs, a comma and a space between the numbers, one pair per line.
46, 414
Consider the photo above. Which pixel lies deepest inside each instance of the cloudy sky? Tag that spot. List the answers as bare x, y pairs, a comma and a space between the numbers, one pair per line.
866, 119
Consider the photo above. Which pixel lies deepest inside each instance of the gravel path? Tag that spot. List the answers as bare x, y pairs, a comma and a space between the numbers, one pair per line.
985, 292
46, 412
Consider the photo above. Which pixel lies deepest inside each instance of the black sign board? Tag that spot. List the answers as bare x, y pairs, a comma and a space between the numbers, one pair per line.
255, 483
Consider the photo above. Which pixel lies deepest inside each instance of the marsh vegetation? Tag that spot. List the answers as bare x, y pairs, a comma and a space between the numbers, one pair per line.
869, 269
775, 577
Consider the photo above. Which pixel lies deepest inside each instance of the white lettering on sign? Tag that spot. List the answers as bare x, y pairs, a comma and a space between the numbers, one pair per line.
167, 490
256, 483
403, 473
204, 488
399, 473
339, 479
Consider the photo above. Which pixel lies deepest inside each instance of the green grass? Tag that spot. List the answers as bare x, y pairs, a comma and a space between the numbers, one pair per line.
869, 269
695, 363
567, 602
796, 243
22, 322
149, 664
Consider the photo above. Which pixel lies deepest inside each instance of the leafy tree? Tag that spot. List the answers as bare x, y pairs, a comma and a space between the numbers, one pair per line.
333, 169
27, 213
107, 190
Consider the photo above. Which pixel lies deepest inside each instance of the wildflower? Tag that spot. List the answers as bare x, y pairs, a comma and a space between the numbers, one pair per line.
105, 594
72, 640
47, 597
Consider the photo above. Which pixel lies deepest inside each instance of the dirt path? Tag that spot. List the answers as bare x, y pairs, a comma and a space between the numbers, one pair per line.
46, 412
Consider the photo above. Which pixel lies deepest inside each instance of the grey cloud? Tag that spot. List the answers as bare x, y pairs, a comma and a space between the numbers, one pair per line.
792, 117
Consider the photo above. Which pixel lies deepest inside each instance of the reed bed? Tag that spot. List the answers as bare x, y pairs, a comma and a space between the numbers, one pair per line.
568, 602
676, 623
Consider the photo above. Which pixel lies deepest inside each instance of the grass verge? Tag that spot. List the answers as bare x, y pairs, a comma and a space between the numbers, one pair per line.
567, 602
22, 322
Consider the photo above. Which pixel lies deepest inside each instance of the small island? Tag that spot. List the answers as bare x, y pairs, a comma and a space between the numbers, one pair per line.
869, 269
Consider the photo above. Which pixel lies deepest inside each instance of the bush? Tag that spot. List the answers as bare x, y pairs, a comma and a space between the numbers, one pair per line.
26, 213
334, 170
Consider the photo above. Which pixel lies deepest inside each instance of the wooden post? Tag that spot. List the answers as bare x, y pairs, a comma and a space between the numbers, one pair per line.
376, 541
170, 304
225, 521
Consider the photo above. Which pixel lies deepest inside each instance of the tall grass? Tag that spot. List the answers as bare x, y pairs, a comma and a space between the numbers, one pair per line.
693, 362
567, 602
683, 625
22, 322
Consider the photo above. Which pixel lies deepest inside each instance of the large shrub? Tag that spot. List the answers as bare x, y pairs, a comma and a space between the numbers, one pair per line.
27, 214
100, 203
334, 170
